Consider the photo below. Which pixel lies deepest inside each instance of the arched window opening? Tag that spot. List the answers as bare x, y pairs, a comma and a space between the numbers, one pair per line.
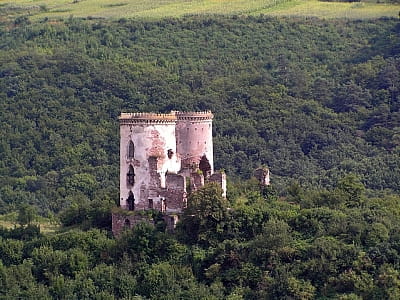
170, 153
131, 150
131, 201
131, 176
127, 223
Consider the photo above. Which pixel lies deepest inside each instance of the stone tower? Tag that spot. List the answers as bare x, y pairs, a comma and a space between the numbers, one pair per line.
147, 153
160, 156
194, 141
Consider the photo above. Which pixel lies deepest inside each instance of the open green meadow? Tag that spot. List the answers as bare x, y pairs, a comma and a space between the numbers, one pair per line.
46, 225
351, 10
39, 9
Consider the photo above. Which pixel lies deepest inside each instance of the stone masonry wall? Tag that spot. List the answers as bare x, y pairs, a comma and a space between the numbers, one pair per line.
175, 193
121, 222
219, 178
158, 153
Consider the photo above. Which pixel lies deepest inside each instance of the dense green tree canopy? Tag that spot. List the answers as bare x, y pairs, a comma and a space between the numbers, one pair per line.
311, 99
250, 247
317, 101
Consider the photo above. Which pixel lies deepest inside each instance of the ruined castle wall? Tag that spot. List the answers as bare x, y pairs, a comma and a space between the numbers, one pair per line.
121, 222
194, 138
160, 156
175, 193
262, 175
220, 179
196, 181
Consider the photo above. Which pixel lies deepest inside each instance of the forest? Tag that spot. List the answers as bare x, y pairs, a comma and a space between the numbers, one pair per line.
317, 244
316, 101
311, 99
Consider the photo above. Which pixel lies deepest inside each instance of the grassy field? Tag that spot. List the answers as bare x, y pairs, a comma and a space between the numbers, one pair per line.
355, 10
46, 226
39, 9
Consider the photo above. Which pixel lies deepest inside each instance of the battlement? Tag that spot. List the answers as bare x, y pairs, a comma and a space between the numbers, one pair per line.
138, 117
173, 116
194, 115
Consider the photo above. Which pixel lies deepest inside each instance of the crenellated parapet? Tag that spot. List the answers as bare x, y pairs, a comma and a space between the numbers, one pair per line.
147, 118
173, 116
194, 116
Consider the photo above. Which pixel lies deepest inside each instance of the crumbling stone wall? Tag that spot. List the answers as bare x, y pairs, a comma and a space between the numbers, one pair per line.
262, 175
153, 138
175, 193
121, 222
194, 138
160, 156
196, 181
171, 220
220, 179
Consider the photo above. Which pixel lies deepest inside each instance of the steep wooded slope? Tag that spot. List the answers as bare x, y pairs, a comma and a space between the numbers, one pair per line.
311, 99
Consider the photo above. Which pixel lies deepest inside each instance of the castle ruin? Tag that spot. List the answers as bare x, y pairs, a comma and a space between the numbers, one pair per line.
162, 158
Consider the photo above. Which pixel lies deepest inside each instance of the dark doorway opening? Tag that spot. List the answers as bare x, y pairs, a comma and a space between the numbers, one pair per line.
131, 201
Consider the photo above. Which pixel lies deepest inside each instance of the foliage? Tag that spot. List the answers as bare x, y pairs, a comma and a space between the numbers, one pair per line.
316, 101
87, 214
259, 248
311, 108
206, 209
26, 214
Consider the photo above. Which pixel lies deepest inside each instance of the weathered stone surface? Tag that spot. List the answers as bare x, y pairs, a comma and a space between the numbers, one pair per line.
220, 178
158, 153
171, 220
120, 221
262, 175
150, 161
194, 138
196, 181
175, 193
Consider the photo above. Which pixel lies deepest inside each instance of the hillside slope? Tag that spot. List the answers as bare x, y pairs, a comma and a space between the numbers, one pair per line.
311, 99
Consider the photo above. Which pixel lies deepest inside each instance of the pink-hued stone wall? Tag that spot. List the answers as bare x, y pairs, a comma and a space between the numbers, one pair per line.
150, 162
196, 181
194, 139
220, 178
158, 152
